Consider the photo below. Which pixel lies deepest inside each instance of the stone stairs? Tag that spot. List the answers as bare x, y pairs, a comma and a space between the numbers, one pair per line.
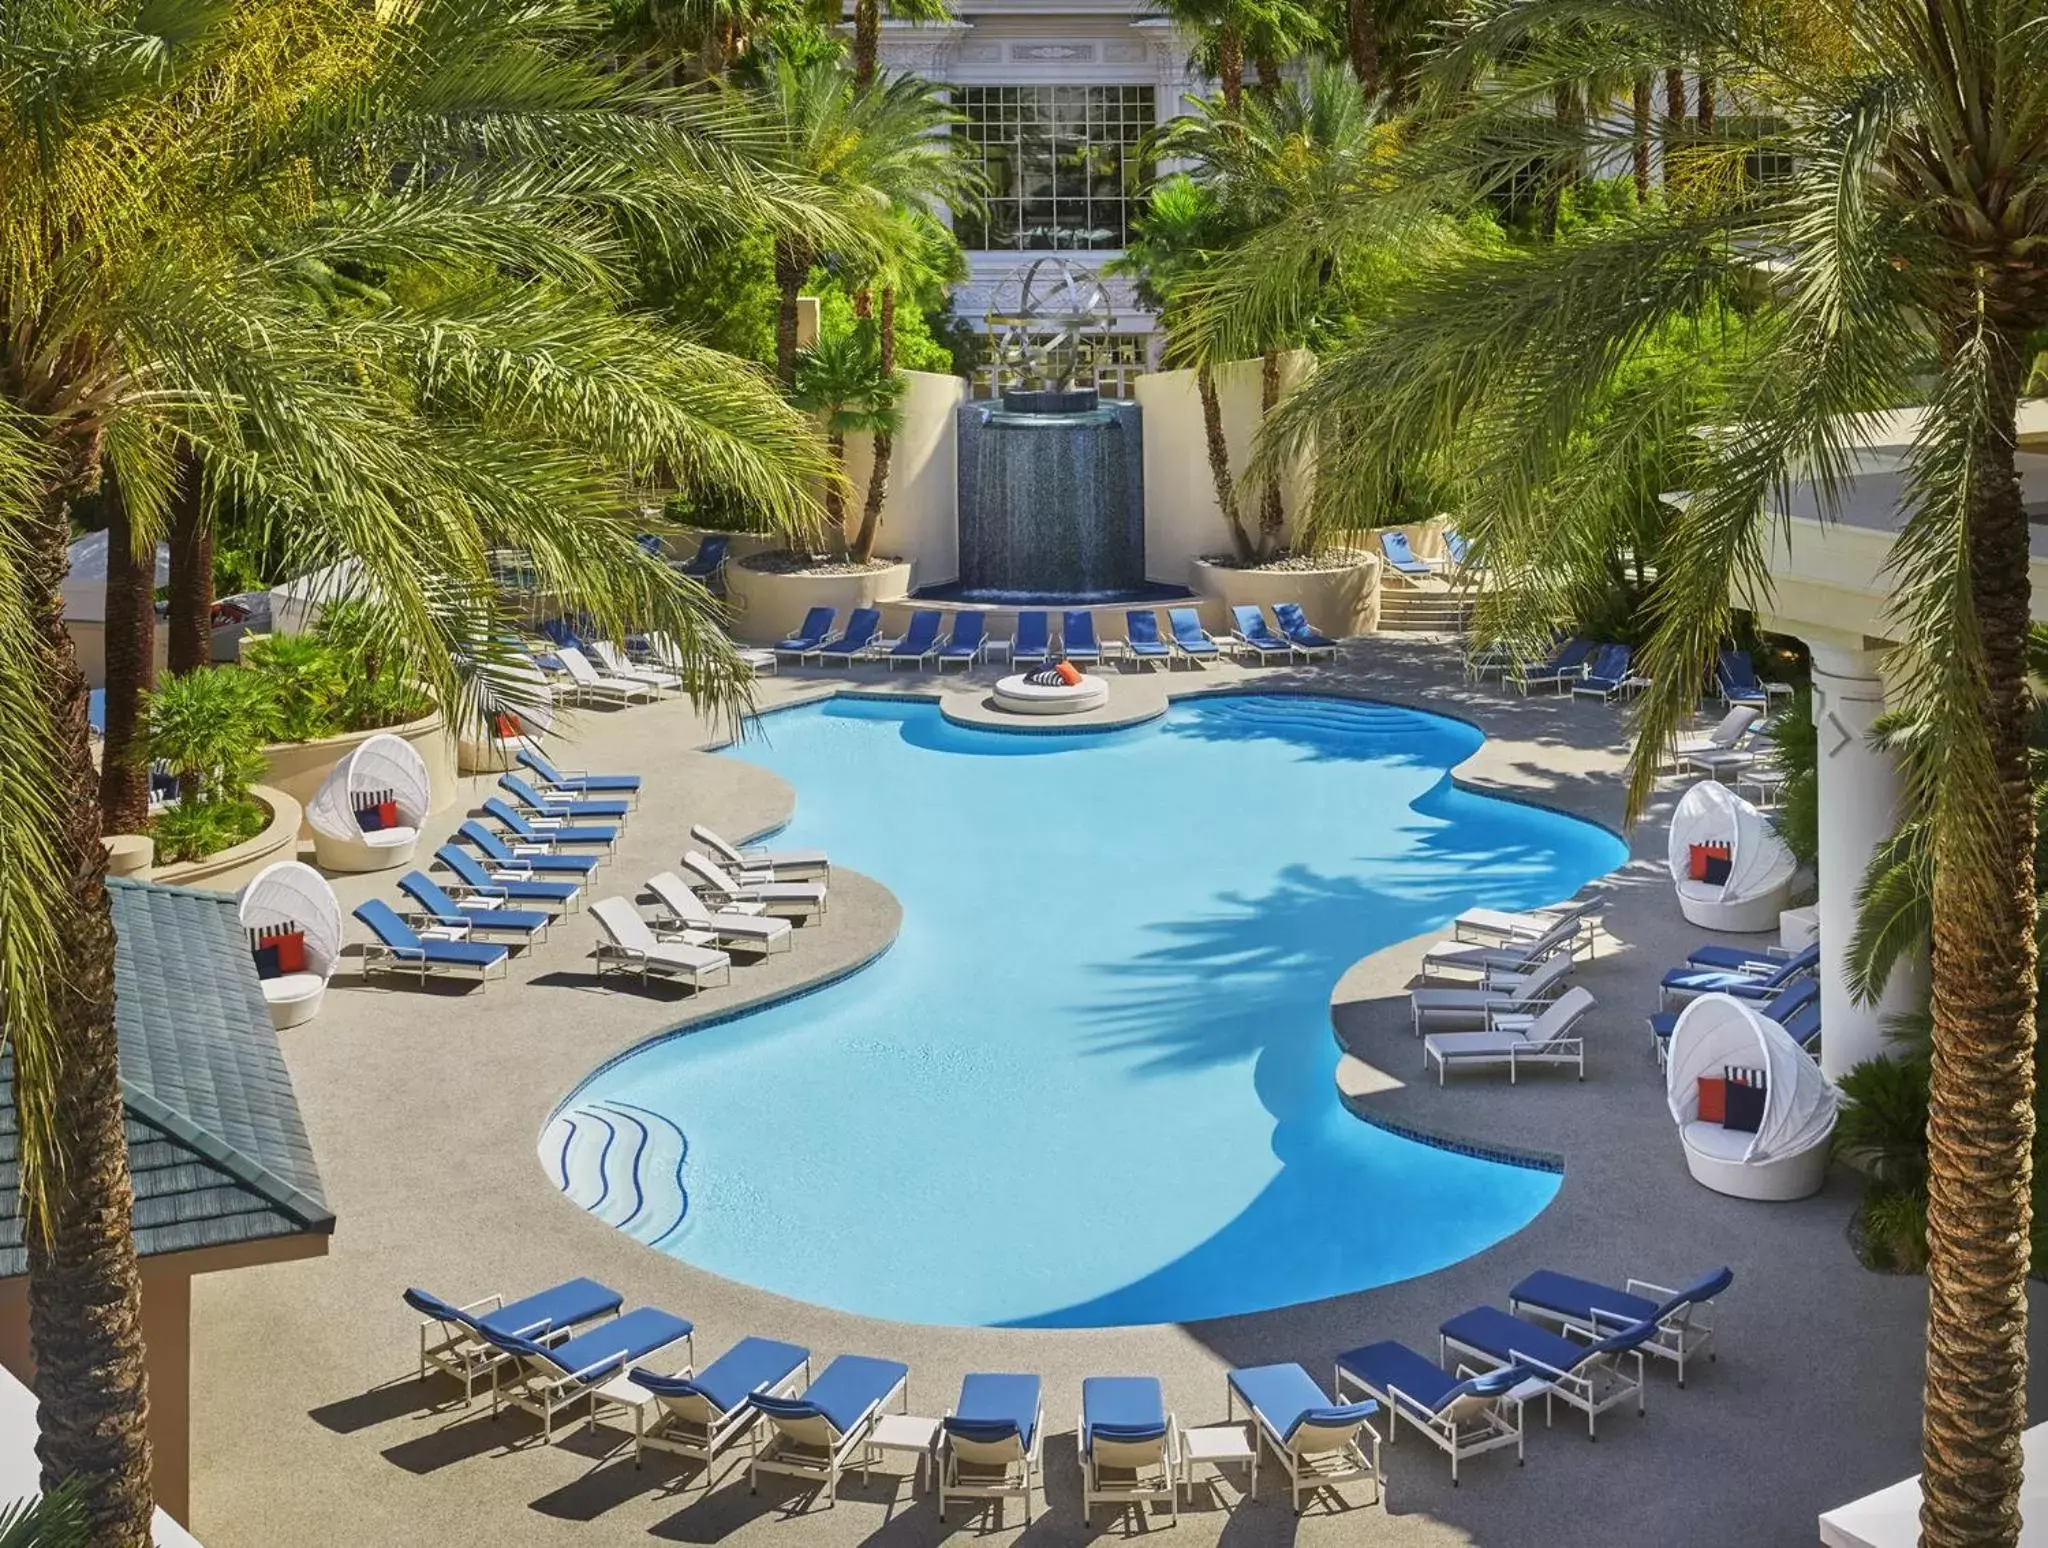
1426, 609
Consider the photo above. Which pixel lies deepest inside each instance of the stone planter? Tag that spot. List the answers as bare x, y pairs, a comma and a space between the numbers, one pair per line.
1342, 601
297, 768
767, 607
234, 867
132, 855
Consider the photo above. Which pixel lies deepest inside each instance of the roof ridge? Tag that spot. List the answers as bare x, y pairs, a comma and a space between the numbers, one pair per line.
245, 1169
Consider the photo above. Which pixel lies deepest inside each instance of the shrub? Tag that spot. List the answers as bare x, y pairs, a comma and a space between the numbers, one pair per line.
1797, 818
192, 831
210, 726
306, 682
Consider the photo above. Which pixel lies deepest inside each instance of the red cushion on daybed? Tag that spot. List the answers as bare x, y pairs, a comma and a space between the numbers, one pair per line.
1713, 1099
291, 951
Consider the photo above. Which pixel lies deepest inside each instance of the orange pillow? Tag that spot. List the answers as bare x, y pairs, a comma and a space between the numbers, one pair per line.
1713, 1099
505, 726
291, 951
1069, 674
387, 813
1699, 855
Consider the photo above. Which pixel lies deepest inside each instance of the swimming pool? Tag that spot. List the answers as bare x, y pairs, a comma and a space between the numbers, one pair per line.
1091, 1083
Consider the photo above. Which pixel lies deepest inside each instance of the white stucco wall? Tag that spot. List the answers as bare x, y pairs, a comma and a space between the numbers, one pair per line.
919, 512
1182, 518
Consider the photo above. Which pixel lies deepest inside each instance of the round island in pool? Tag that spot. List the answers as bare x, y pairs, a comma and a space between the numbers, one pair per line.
1092, 1083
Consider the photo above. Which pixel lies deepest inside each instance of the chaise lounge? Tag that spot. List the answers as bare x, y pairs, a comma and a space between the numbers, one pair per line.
991, 1444
1518, 1039
1466, 1414
1318, 1442
398, 949
819, 1434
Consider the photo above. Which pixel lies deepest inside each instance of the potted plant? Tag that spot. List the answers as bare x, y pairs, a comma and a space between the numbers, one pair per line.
209, 727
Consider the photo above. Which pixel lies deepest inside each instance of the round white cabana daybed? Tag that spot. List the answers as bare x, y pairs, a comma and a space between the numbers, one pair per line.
281, 900
507, 723
1787, 1157
1760, 867
346, 837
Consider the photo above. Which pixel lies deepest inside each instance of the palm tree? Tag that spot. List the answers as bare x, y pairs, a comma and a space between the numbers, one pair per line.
1227, 32
129, 632
168, 180
873, 152
842, 381
1906, 266
867, 29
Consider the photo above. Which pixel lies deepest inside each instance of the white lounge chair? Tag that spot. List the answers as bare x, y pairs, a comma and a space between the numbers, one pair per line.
632, 947
587, 684
1502, 927
762, 864
618, 664
1465, 957
1548, 1037
1448, 1006
795, 900
683, 910
1719, 747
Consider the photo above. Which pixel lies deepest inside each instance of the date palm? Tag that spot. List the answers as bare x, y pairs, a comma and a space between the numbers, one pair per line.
178, 180
867, 28
873, 151
1904, 260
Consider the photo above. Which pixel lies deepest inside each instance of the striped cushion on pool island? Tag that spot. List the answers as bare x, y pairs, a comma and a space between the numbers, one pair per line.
1049, 678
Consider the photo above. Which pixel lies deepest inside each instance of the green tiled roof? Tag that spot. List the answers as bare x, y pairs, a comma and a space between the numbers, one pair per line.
215, 1142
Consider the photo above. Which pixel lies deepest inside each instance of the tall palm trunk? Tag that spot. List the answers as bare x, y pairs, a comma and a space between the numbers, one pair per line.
1641, 107
885, 442
1219, 462
792, 263
1980, 1116
835, 490
84, 1290
867, 39
190, 646
130, 635
1230, 64
1268, 70
1674, 120
1272, 519
1362, 42
1705, 116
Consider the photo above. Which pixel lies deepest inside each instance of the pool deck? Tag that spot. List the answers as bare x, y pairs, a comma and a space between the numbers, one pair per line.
425, 1110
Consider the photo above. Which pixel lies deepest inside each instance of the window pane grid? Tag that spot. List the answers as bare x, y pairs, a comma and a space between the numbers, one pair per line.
1061, 161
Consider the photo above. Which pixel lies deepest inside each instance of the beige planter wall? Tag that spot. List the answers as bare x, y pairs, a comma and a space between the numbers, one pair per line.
297, 768
920, 509
768, 607
233, 868
89, 644
1182, 519
1341, 603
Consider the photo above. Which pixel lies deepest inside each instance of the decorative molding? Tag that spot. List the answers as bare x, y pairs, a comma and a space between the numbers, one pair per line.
980, 53
1053, 53
1124, 53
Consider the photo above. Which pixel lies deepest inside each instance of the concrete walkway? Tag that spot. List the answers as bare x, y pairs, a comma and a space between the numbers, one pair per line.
425, 1110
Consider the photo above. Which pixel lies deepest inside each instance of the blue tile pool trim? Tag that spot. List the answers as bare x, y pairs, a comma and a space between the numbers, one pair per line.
1506, 1155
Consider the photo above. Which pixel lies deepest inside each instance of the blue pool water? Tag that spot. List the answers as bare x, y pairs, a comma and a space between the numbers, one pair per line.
1091, 1083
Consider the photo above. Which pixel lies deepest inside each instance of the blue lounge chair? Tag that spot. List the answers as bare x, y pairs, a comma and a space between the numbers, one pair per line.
1736, 681
1127, 1441
1034, 638
964, 645
1796, 994
1252, 633
1319, 1442
578, 782
1189, 637
820, 1434
567, 807
1589, 1377
1802, 1025
562, 633
708, 560
1459, 550
1563, 669
696, 1415
1606, 675
1402, 558
543, 1379
1466, 1413
1759, 983
920, 641
1141, 637
652, 545
526, 860
1594, 1310
1300, 633
1077, 636
440, 912
856, 641
814, 631
1738, 959
400, 949
473, 880
96, 712
457, 1339
991, 1444
550, 834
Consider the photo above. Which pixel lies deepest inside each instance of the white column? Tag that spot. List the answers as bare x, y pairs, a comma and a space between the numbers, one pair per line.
1858, 800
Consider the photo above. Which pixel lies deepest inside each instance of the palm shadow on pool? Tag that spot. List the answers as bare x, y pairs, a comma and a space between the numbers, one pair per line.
1249, 979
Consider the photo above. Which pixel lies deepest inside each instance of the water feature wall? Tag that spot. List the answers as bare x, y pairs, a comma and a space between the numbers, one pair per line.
1052, 498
